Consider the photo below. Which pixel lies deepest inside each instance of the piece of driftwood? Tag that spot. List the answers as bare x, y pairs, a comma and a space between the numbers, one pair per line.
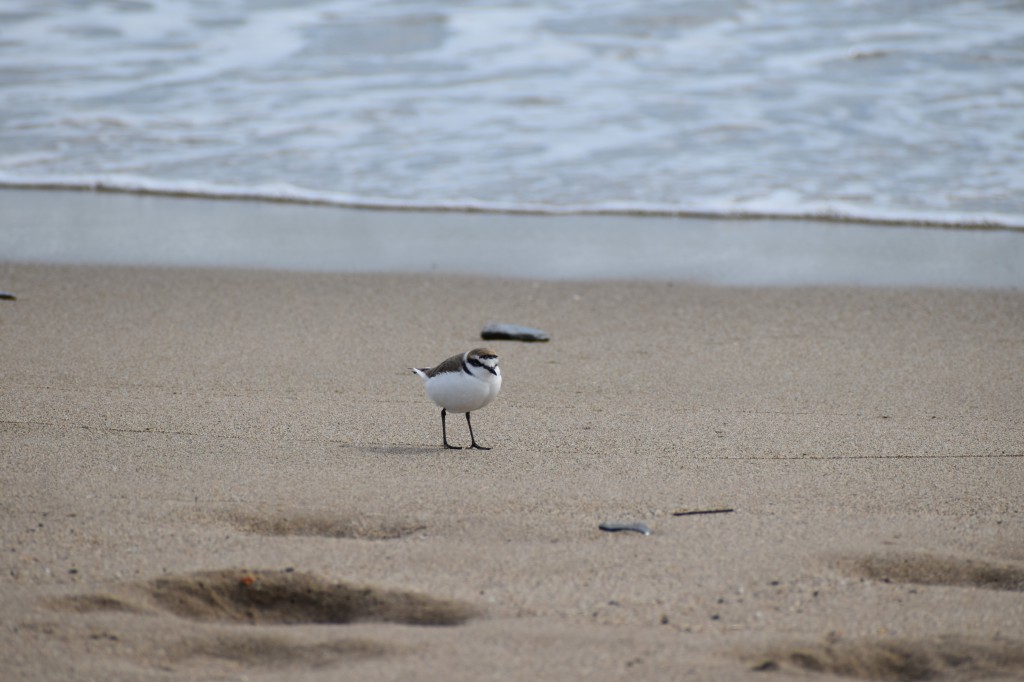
694, 512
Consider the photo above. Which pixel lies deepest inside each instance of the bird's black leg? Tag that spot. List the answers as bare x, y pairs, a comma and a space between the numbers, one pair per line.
471, 438
444, 433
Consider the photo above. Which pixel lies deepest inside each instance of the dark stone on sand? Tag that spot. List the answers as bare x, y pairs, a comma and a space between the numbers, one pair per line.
616, 526
513, 332
8, 296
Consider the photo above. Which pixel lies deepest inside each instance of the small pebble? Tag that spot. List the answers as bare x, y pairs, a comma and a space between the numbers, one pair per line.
615, 527
8, 296
513, 332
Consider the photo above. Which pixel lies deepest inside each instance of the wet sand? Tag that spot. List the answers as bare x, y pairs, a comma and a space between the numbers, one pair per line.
111, 228
227, 474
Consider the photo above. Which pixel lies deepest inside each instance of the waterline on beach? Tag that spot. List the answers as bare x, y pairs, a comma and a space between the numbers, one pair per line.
131, 229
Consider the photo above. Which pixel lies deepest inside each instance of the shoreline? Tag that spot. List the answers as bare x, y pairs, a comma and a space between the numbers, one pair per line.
300, 197
113, 228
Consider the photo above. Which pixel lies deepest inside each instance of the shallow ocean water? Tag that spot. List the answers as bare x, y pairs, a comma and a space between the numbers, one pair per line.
862, 109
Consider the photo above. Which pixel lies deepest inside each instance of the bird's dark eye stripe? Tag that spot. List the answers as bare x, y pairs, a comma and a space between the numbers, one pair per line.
477, 363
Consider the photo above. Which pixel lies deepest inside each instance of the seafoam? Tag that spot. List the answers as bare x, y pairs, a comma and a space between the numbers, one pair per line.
851, 110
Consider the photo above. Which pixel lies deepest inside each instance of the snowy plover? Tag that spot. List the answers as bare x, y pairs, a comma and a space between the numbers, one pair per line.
463, 383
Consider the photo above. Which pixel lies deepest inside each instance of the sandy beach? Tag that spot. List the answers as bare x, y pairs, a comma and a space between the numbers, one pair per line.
231, 474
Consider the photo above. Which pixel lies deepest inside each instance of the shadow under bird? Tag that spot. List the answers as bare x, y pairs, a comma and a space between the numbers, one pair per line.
463, 383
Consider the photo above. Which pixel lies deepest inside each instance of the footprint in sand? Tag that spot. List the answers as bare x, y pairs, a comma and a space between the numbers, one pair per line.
948, 657
218, 600
941, 658
263, 597
928, 569
323, 525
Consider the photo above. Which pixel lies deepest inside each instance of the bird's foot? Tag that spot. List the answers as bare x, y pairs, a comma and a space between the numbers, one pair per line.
474, 446
451, 447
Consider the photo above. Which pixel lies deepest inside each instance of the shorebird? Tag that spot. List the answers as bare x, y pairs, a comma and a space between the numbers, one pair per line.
463, 383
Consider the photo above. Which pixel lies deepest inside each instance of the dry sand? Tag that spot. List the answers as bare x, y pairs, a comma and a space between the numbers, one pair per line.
227, 474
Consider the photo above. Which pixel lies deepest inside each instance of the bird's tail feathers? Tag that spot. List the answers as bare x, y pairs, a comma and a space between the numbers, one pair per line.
422, 373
